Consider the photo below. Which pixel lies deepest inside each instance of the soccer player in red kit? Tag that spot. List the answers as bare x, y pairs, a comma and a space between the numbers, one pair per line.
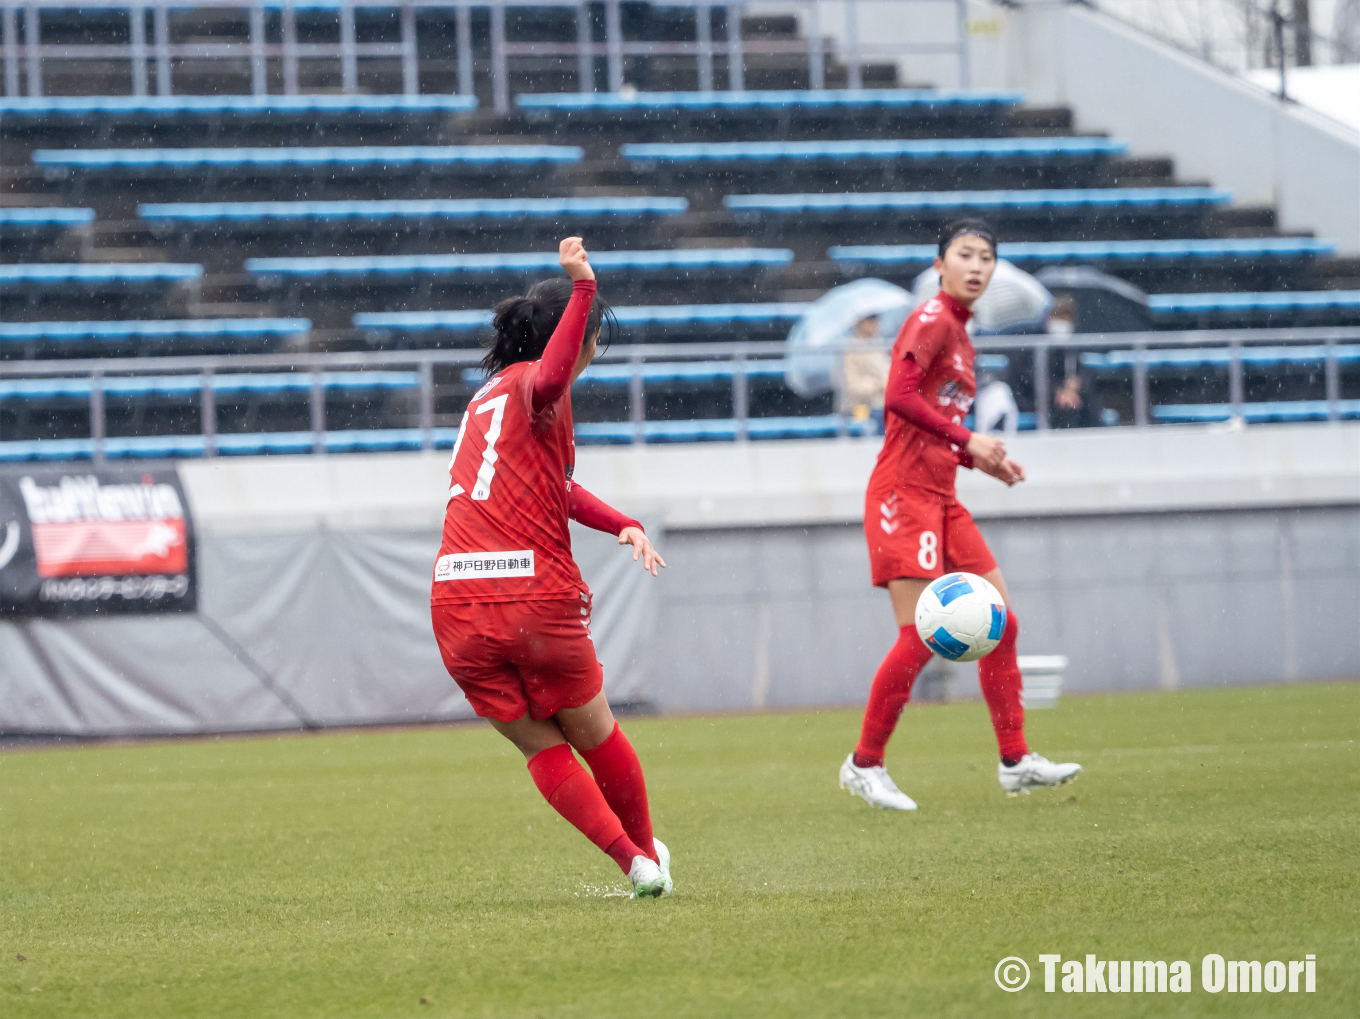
510, 610
918, 531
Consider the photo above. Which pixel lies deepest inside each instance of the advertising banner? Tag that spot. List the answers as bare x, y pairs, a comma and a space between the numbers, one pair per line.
86, 540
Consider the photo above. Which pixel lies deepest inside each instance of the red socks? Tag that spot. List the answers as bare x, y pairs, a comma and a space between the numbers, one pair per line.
889, 695
618, 773
570, 791
999, 674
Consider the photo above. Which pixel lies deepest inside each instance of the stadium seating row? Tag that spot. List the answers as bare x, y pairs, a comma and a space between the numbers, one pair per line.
1221, 357
252, 332
1232, 248
57, 332
593, 433
621, 374
1255, 413
39, 217
192, 385
1279, 301
874, 148
612, 102
675, 314
394, 439
97, 273
310, 156
1046, 199
797, 204
1201, 249
661, 260
84, 107
384, 210
834, 99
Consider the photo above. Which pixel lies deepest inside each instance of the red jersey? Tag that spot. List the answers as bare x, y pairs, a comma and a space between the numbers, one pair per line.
935, 337
505, 529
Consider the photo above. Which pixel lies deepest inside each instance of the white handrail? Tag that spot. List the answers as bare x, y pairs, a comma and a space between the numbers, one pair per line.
31, 53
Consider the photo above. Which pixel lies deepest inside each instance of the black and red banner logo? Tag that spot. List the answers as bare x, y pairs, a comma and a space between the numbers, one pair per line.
85, 540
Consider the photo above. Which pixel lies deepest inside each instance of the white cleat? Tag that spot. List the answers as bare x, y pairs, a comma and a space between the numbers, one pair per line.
874, 786
664, 855
648, 881
1034, 771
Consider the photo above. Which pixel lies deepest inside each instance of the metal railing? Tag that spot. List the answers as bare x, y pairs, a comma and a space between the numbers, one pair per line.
1040, 348
24, 53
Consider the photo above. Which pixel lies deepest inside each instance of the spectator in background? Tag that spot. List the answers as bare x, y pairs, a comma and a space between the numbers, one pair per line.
1074, 404
864, 372
1062, 317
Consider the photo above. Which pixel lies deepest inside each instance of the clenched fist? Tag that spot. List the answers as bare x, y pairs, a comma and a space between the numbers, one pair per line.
572, 254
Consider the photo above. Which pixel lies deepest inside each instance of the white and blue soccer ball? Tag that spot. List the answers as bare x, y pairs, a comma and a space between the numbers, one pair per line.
961, 617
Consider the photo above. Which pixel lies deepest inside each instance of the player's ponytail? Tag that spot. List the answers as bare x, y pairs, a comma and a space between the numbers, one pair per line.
523, 325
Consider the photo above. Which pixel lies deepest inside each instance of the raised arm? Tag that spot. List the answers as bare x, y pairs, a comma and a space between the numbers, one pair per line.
559, 356
563, 349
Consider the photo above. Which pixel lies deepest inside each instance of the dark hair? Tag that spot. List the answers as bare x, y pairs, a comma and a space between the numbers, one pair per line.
524, 325
978, 227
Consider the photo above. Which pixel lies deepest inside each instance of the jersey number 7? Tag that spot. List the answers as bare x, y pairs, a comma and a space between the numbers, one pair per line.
481, 489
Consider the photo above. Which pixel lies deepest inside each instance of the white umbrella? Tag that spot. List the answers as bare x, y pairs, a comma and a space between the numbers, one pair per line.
817, 339
1014, 302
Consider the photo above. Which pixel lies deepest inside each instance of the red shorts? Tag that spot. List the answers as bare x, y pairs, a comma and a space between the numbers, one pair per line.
915, 533
513, 657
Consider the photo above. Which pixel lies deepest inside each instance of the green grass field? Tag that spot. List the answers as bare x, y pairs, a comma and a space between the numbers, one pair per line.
419, 873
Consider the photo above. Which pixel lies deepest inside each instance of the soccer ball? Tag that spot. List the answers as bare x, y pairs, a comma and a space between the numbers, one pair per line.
961, 617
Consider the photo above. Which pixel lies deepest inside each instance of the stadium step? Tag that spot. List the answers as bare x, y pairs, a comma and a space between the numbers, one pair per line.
125, 255
231, 309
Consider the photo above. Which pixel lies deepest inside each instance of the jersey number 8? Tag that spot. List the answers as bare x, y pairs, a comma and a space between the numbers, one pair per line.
928, 555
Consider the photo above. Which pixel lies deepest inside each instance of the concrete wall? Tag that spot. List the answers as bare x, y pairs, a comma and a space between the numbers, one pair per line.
1155, 557
786, 616
1216, 126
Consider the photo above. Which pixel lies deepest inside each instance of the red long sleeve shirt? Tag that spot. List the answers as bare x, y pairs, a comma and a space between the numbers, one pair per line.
563, 349
593, 512
931, 386
904, 398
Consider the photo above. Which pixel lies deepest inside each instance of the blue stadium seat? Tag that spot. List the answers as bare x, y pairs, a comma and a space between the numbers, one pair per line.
279, 105
311, 156
1299, 300
723, 429
1255, 413
524, 261
1230, 248
22, 218
911, 148
166, 330
830, 99
191, 385
634, 315
665, 371
1201, 357
392, 439
228, 444
682, 371
1113, 199
106, 273
345, 213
